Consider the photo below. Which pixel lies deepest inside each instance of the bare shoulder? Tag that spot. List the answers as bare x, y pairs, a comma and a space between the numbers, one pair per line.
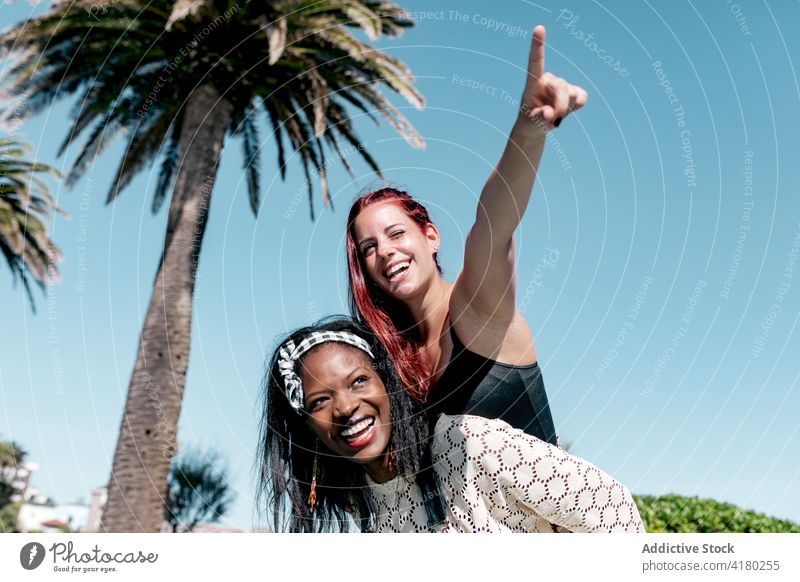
508, 342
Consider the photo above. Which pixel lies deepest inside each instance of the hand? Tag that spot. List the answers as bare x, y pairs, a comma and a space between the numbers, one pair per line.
547, 99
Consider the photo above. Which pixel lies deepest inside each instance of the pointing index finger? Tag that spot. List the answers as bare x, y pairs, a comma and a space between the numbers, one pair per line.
536, 61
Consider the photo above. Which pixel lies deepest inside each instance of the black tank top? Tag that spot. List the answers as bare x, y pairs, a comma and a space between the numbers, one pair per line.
473, 384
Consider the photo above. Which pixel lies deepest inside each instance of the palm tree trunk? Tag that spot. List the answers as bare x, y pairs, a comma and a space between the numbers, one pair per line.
147, 438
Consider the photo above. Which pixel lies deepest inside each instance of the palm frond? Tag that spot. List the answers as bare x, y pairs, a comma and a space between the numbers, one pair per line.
101, 137
169, 165
276, 33
252, 162
334, 144
142, 147
365, 18
278, 132
25, 206
135, 63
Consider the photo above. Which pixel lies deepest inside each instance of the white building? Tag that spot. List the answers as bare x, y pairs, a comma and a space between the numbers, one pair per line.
41, 513
37, 510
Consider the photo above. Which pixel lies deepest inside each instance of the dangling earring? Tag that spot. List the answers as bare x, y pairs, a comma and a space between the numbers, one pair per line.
436, 248
312, 496
391, 462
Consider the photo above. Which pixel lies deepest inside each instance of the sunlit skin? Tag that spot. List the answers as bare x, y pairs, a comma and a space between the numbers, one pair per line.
341, 391
480, 306
387, 237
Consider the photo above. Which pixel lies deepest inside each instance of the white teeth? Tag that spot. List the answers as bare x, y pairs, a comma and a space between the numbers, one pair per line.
397, 268
357, 428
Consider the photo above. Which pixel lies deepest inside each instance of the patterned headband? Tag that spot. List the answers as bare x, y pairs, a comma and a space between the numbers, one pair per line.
290, 352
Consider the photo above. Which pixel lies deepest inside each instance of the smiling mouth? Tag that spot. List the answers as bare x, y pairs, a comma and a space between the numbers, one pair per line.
396, 270
356, 433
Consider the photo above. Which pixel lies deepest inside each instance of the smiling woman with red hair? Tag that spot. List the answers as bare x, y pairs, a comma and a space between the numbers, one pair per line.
462, 347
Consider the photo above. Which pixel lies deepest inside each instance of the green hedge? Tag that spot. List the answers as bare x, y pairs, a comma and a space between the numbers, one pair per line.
8, 517
674, 513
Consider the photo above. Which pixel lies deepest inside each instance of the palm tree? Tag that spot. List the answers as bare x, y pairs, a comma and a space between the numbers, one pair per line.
176, 76
198, 490
25, 206
12, 457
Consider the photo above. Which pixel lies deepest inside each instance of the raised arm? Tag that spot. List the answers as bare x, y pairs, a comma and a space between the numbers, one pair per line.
486, 285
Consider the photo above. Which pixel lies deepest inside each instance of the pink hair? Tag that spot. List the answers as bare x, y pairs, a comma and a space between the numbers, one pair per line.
388, 318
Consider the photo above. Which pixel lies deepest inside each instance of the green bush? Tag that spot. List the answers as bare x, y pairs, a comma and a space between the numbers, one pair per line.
8, 517
674, 513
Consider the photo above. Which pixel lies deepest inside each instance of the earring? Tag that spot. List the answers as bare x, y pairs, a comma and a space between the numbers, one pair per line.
312, 496
391, 461
436, 248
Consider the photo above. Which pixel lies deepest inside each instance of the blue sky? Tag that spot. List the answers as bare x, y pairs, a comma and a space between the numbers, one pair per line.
656, 263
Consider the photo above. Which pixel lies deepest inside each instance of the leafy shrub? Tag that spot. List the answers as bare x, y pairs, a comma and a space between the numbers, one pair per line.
8, 517
674, 513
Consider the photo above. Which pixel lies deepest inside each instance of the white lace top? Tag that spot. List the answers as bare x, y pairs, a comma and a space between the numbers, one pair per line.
495, 478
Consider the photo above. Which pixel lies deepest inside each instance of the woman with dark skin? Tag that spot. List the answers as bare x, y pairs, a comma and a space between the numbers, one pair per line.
342, 439
462, 347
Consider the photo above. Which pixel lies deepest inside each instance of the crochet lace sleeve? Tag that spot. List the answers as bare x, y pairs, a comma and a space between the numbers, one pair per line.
565, 490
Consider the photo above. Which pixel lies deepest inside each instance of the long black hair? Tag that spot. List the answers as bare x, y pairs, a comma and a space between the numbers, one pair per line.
287, 448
